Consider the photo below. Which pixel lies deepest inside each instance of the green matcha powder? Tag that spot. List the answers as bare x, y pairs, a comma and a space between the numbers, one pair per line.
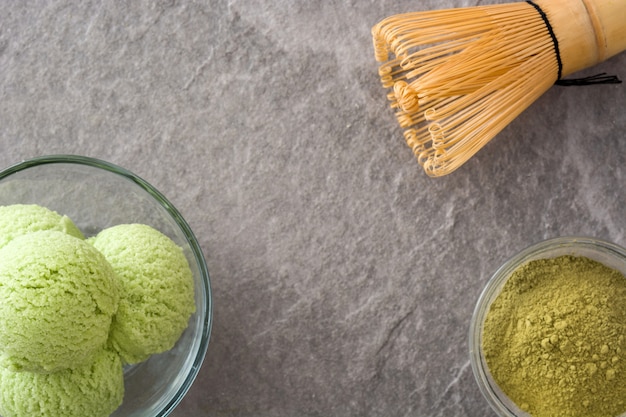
553, 339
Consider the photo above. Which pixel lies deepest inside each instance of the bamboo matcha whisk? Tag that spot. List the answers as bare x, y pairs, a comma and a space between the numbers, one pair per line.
457, 77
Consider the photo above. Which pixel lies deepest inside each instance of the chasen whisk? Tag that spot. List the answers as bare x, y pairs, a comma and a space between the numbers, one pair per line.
457, 77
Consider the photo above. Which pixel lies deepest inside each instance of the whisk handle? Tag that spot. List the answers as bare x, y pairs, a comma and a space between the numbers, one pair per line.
588, 31
609, 21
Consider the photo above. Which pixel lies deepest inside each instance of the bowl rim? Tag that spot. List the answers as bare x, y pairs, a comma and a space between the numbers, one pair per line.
198, 255
498, 401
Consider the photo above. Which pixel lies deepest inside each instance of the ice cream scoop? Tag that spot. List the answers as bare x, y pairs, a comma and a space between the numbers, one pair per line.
95, 389
59, 295
157, 289
19, 219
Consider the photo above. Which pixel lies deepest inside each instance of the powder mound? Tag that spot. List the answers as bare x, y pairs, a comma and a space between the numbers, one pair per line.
19, 219
157, 291
59, 295
554, 338
95, 389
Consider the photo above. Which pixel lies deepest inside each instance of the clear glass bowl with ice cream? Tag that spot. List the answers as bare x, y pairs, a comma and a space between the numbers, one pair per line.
107, 305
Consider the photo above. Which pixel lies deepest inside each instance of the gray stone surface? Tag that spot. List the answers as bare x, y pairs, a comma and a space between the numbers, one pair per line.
344, 278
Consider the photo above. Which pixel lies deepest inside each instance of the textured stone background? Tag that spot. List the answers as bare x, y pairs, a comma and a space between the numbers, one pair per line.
344, 278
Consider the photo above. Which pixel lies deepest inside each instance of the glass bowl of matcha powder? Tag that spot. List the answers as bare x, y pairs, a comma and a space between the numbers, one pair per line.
548, 335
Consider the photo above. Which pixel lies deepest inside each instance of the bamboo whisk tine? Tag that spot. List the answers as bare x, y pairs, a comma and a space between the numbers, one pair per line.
457, 77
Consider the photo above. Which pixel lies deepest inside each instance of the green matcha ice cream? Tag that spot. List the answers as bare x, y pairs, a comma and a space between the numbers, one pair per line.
59, 295
95, 389
19, 219
157, 290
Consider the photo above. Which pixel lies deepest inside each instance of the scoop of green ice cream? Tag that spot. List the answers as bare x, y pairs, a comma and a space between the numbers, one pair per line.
95, 389
19, 219
157, 289
59, 295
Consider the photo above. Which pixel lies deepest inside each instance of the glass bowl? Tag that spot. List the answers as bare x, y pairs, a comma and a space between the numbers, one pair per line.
96, 195
604, 252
